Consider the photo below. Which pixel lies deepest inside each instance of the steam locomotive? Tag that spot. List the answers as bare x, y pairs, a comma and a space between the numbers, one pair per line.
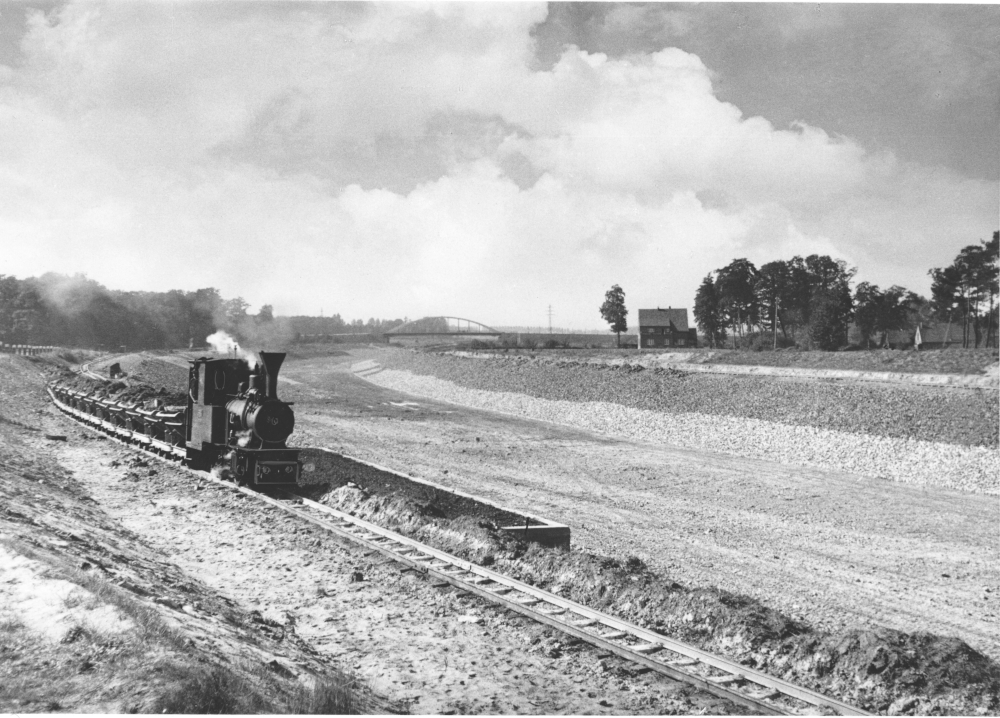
233, 420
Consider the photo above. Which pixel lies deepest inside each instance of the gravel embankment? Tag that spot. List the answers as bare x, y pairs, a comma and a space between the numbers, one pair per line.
954, 416
966, 468
934, 361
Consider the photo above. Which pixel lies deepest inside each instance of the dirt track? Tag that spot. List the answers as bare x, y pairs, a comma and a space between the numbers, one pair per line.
818, 545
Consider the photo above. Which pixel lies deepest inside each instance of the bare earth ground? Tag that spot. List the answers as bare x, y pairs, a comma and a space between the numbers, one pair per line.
815, 544
818, 545
94, 619
431, 649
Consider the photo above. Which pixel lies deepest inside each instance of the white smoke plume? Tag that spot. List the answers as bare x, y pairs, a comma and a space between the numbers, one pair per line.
222, 343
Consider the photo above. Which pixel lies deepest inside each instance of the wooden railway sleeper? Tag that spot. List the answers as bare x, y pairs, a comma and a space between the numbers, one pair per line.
648, 648
684, 662
725, 680
556, 611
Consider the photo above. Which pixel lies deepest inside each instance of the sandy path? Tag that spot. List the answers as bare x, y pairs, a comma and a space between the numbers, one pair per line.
816, 544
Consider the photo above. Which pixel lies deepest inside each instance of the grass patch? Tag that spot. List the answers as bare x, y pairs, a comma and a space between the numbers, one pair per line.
187, 681
150, 626
249, 689
10, 625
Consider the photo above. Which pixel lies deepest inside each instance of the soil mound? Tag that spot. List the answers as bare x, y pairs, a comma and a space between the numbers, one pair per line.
879, 670
133, 392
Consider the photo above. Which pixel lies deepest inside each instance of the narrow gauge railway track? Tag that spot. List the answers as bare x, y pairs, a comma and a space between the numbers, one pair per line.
86, 370
716, 675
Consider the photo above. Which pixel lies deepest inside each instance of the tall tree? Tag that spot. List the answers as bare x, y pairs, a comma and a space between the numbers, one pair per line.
707, 314
798, 294
867, 298
206, 313
963, 287
235, 310
735, 286
827, 321
771, 289
891, 314
614, 312
945, 296
991, 278
10, 288
830, 287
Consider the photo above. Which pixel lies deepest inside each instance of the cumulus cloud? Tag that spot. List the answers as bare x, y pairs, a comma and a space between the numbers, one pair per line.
400, 159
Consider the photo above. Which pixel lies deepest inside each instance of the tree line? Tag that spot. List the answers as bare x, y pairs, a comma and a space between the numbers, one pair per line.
809, 301
60, 310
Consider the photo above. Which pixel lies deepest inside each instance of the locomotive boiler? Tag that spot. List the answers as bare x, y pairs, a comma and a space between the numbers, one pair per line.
234, 417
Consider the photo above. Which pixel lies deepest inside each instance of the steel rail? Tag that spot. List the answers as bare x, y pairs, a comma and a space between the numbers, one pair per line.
569, 610
594, 627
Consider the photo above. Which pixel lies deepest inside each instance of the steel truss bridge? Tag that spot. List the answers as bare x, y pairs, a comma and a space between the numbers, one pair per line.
443, 326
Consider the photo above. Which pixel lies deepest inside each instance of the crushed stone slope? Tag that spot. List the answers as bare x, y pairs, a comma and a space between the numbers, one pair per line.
533, 392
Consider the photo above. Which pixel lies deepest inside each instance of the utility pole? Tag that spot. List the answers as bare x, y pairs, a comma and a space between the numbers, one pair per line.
550, 319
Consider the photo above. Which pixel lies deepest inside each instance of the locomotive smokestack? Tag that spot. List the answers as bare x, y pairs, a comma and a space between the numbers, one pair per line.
271, 361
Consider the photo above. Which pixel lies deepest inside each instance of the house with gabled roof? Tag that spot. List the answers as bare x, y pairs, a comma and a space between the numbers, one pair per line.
668, 327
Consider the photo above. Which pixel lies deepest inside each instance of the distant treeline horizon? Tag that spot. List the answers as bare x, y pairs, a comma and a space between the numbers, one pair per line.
809, 300
75, 311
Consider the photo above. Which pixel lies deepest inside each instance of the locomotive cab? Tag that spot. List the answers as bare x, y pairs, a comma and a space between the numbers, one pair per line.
211, 384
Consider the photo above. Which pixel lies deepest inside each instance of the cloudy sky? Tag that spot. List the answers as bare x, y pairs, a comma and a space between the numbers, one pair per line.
489, 160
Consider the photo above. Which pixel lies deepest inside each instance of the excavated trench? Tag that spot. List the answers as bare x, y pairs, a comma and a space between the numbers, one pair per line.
880, 670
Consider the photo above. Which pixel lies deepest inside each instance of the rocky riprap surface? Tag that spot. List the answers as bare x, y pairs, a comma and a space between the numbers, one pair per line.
919, 435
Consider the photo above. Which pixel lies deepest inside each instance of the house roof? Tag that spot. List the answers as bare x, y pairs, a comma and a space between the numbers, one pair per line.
664, 318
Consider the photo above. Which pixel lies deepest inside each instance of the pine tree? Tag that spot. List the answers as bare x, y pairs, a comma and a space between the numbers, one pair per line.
707, 314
